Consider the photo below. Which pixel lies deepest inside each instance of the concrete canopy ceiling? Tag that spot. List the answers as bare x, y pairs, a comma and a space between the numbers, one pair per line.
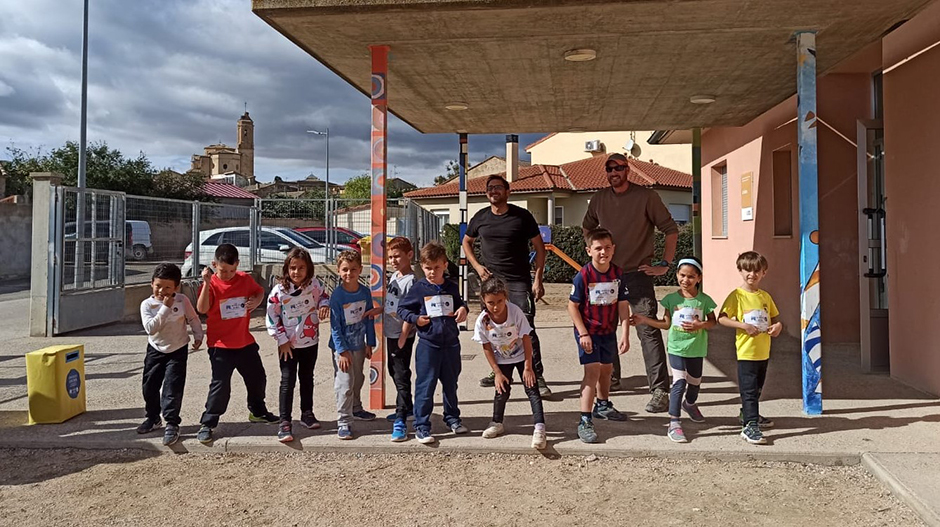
504, 58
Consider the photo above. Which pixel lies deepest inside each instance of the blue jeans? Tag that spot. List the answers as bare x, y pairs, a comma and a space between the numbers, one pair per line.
433, 364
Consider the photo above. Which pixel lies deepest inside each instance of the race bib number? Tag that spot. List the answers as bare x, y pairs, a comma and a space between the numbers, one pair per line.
603, 293
757, 318
353, 312
439, 305
686, 314
177, 311
297, 307
234, 307
505, 340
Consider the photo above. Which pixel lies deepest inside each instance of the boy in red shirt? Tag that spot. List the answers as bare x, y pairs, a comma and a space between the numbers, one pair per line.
228, 296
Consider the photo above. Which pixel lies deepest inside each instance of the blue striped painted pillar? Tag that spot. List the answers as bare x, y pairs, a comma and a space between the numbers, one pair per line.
811, 328
463, 162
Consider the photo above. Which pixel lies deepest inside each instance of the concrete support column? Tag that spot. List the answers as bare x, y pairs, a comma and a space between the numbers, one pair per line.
551, 210
42, 278
463, 162
697, 192
377, 258
811, 330
512, 158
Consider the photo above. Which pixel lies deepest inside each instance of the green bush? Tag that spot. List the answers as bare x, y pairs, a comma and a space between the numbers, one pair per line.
570, 240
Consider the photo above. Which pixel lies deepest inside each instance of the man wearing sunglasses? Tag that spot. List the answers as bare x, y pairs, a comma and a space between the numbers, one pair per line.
505, 231
631, 213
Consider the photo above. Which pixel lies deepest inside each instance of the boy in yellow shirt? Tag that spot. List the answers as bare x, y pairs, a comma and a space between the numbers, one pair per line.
752, 312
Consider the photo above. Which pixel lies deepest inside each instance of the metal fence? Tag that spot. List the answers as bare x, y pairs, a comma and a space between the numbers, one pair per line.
90, 224
167, 230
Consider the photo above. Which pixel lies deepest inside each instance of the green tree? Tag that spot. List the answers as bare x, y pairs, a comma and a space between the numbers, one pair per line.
358, 190
189, 185
106, 168
452, 171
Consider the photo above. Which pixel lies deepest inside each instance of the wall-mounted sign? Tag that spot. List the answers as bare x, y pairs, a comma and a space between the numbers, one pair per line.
747, 201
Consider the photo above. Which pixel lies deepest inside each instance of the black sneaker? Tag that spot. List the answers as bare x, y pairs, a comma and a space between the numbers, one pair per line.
752, 434
171, 435
762, 421
489, 381
149, 425
309, 420
263, 418
659, 402
285, 433
204, 435
615, 385
607, 411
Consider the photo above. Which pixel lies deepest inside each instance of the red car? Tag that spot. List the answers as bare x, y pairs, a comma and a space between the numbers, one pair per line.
341, 236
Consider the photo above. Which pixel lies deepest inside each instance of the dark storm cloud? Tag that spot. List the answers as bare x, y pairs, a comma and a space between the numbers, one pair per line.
169, 77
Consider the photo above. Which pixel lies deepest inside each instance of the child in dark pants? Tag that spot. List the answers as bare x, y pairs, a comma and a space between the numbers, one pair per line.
504, 332
399, 335
597, 303
228, 296
752, 312
435, 307
165, 316
295, 306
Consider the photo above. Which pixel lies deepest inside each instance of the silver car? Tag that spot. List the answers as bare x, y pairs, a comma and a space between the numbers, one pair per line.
273, 245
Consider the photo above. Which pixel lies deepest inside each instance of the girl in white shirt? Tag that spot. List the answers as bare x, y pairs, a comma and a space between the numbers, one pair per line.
295, 307
503, 330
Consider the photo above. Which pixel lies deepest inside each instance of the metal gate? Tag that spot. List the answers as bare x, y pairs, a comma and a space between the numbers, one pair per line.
90, 240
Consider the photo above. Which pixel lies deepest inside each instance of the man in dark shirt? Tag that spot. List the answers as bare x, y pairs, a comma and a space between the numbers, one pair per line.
631, 213
505, 232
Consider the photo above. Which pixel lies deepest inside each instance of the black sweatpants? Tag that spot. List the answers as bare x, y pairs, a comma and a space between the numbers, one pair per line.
399, 367
224, 362
535, 400
751, 376
166, 370
642, 298
300, 367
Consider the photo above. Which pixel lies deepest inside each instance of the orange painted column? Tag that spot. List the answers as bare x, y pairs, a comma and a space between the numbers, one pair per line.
377, 262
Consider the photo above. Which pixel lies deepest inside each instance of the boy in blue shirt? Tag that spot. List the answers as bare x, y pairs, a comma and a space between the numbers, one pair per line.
352, 336
435, 307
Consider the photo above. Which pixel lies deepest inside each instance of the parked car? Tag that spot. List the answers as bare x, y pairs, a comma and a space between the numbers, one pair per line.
344, 238
102, 229
142, 246
273, 245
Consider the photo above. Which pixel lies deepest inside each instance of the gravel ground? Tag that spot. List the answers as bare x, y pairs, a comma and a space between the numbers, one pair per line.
76, 488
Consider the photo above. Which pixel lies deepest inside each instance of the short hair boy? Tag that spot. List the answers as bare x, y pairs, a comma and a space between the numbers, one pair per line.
399, 335
228, 297
753, 314
165, 315
434, 305
352, 337
598, 299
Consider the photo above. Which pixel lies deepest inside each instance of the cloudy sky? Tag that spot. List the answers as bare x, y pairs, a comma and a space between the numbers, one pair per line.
168, 77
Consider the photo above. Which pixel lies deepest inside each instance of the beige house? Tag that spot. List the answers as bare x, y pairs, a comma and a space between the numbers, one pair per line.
559, 194
563, 147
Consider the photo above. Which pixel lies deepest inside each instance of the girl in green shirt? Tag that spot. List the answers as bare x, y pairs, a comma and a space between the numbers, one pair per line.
689, 313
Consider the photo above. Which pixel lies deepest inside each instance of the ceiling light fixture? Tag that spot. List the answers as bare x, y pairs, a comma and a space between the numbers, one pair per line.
702, 99
580, 55
456, 106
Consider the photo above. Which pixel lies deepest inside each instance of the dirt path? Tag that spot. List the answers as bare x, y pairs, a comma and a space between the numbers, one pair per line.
77, 488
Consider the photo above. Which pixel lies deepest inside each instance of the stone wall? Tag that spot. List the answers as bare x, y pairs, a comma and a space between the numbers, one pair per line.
16, 220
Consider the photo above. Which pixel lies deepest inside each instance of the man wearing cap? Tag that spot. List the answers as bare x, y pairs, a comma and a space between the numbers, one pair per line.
630, 213
505, 231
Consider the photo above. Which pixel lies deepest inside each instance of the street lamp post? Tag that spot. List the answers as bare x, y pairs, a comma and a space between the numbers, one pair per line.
329, 232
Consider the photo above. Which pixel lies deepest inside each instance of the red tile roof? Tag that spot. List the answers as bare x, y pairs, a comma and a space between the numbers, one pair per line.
577, 176
226, 190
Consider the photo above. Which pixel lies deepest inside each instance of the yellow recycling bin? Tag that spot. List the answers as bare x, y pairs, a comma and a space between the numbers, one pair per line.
55, 383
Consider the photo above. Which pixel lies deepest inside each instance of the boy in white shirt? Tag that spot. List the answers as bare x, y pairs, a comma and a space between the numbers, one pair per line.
165, 316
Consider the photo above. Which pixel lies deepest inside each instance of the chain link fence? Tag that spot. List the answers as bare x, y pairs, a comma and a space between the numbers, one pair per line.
164, 230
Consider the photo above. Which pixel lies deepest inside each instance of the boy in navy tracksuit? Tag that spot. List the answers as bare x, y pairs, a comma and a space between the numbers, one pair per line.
434, 306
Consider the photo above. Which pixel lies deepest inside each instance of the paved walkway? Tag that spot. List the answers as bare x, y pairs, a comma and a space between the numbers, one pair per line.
893, 426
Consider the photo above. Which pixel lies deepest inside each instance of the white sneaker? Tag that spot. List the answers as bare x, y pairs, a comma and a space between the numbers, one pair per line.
494, 430
538, 439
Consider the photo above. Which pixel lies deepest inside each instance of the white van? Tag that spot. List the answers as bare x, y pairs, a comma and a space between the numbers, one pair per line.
141, 235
